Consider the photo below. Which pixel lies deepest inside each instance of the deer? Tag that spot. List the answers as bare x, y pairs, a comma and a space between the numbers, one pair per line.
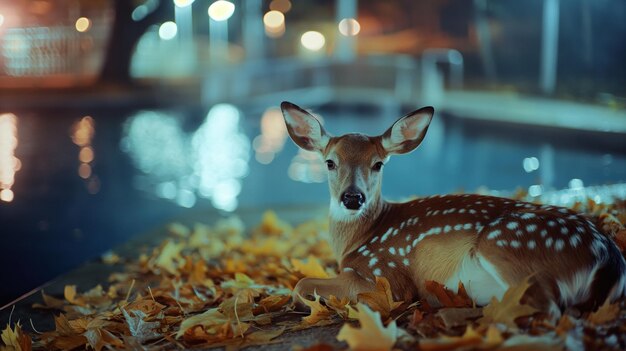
487, 243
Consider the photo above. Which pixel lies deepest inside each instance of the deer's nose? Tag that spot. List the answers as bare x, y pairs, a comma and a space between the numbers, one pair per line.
352, 199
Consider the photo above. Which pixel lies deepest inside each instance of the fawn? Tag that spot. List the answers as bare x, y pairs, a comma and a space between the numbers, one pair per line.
487, 243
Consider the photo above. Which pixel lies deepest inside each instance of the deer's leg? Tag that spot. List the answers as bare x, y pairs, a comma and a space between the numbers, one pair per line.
346, 284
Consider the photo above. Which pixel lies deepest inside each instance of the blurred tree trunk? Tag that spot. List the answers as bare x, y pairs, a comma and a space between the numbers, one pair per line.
124, 36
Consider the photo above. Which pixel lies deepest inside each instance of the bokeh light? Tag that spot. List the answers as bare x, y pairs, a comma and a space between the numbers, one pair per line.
273, 136
168, 30
313, 40
221, 10
349, 27
1, 20
280, 5
530, 164
9, 164
274, 19
83, 24
183, 3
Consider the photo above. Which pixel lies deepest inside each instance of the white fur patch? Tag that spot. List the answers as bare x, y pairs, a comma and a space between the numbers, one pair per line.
576, 289
480, 278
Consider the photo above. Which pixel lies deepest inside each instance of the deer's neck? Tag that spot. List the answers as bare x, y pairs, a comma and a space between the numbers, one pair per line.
347, 235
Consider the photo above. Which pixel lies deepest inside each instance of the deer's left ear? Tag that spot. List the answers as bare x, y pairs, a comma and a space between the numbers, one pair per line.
408, 132
305, 130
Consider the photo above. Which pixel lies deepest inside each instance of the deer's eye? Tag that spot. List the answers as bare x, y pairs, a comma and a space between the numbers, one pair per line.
377, 166
331, 165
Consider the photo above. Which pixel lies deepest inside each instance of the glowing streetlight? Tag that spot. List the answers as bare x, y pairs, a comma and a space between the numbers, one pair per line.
313, 40
168, 30
183, 3
349, 27
221, 10
83, 24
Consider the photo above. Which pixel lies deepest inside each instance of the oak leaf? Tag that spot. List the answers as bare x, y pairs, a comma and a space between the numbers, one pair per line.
380, 299
509, 308
319, 312
372, 335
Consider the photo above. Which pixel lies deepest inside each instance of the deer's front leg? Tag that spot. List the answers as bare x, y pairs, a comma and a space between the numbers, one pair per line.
346, 284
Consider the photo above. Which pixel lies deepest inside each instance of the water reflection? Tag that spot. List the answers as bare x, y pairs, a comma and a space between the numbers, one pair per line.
82, 135
9, 164
273, 136
209, 163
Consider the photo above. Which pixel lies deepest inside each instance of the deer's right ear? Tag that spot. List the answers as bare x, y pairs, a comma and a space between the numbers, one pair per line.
304, 129
408, 132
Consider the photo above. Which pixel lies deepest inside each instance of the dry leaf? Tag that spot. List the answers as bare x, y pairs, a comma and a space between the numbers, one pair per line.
470, 339
606, 313
448, 298
381, 299
372, 335
509, 309
456, 317
312, 268
210, 319
16, 338
319, 312
138, 327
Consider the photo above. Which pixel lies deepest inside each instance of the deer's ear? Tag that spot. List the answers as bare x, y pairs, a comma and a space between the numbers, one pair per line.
304, 129
408, 132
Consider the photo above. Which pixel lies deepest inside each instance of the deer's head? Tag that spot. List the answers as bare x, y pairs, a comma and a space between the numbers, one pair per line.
355, 161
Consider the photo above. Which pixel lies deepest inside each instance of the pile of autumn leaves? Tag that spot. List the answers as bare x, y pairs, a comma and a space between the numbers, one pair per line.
223, 286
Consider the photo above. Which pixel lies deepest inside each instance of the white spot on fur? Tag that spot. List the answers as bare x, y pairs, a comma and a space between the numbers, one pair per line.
377, 272
484, 211
563, 210
407, 237
392, 250
447, 228
366, 252
348, 269
462, 210
559, 244
415, 241
551, 223
502, 243
543, 233
564, 230
494, 234
512, 225
531, 228
374, 239
395, 232
386, 235
580, 229
408, 249
467, 226
401, 251
515, 244
458, 227
405, 261
361, 248
391, 264
576, 289
575, 240
472, 211
372, 262
549, 242
531, 244
528, 216
598, 248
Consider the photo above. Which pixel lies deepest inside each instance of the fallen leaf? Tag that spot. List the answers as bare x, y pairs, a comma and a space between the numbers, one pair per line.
448, 298
311, 268
380, 299
16, 338
606, 313
210, 319
372, 335
318, 313
470, 339
509, 308
456, 317
138, 327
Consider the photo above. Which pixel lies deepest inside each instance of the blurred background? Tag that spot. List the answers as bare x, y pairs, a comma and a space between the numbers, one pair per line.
117, 116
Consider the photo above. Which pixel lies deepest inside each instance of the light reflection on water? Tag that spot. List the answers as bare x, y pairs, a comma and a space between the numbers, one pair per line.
273, 136
82, 135
209, 163
9, 164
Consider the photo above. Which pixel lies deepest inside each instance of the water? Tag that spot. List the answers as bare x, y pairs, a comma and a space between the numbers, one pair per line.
143, 168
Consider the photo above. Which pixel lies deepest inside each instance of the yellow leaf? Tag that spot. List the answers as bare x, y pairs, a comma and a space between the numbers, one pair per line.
606, 313
169, 256
16, 338
509, 309
470, 339
312, 268
210, 318
372, 335
381, 299
319, 312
